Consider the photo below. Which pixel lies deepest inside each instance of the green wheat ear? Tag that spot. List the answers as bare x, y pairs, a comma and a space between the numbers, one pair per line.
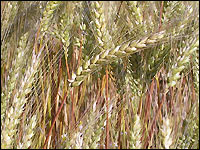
101, 33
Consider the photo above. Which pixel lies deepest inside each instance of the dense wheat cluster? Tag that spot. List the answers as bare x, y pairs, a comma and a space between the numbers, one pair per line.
100, 74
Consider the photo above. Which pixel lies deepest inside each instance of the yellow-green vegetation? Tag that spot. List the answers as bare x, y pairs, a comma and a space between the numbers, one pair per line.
100, 74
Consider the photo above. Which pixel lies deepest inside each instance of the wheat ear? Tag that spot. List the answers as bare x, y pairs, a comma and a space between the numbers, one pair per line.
96, 132
109, 55
14, 112
48, 14
102, 34
63, 33
196, 70
166, 133
134, 73
15, 72
96, 135
137, 14
174, 75
135, 134
27, 138
8, 16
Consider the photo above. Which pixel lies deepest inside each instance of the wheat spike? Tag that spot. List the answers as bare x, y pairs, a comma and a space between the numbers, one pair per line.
14, 112
135, 136
111, 54
48, 14
15, 72
174, 75
102, 34
27, 139
167, 133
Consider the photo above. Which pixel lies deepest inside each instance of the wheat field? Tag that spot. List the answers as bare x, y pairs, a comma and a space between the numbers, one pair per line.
100, 74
